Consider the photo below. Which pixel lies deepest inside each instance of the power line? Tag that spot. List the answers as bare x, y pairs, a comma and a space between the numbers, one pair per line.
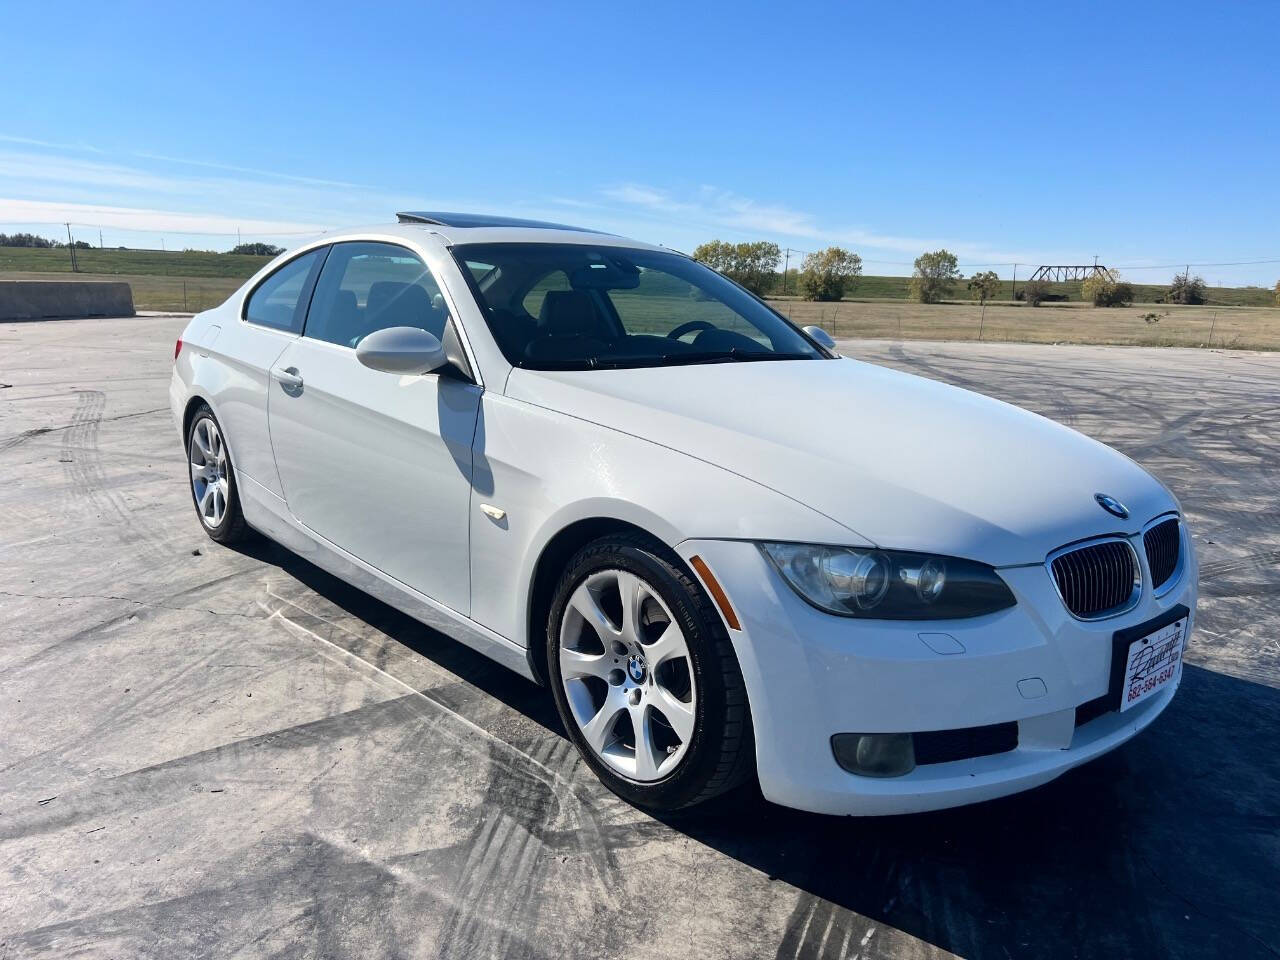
1174, 266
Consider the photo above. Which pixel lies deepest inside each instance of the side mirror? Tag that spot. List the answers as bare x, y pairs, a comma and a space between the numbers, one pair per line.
403, 350
821, 337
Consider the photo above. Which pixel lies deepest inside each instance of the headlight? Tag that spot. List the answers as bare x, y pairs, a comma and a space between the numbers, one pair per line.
889, 584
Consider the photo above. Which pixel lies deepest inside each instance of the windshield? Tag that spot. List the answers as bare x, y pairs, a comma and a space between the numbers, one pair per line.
564, 306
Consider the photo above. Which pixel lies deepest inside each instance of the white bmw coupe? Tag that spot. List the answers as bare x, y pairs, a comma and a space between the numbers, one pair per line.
727, 550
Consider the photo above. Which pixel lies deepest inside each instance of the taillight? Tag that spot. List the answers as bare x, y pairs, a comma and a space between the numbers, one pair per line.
177, 349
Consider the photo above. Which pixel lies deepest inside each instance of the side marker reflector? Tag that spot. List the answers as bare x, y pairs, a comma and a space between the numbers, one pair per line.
716, 591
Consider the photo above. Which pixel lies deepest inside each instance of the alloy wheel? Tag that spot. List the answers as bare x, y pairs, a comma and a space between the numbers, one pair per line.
209, 474
627, 675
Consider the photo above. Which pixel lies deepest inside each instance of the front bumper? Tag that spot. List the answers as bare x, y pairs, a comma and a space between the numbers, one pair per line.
811, 675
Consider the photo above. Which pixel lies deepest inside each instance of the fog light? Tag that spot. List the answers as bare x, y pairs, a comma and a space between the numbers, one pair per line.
875, 754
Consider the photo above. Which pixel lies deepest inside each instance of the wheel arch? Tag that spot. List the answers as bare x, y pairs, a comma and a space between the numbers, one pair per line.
549, 567
194, 402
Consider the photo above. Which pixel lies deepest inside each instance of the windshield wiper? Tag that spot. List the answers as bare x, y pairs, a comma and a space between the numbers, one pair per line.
733, 355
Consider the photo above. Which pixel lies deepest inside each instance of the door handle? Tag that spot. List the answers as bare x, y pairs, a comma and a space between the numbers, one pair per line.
288, 377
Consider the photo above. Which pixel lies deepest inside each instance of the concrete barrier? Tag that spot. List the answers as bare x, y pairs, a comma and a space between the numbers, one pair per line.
47, 299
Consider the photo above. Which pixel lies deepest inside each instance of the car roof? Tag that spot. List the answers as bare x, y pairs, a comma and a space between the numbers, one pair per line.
479, 220
463, 228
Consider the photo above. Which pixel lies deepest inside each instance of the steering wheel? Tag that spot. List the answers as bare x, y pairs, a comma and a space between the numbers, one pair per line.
689, 326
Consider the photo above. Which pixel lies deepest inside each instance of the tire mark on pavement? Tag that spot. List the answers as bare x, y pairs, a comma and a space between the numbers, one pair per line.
87, 480
820, 930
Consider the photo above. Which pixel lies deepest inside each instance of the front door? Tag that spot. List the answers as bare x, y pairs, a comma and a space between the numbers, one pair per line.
376, 463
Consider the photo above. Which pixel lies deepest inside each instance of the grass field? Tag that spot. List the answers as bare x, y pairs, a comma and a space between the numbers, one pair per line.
1254, 328
178, 280
189, 281
1241, 317
138, 263
895, 288
172, 293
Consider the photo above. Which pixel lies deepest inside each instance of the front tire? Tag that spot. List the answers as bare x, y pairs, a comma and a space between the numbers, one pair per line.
645, 678
213, 481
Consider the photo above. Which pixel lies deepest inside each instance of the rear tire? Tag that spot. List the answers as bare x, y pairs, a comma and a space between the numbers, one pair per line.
653, 699
213, 480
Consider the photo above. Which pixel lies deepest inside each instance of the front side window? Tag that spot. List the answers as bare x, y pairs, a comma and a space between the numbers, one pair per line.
371, 286
279, 301
556, 306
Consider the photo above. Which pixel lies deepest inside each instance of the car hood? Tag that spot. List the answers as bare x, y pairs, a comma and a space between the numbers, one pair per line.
903, 462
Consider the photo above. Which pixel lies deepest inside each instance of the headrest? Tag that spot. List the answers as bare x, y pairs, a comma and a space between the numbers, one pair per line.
570, 313
394, 304
345, 304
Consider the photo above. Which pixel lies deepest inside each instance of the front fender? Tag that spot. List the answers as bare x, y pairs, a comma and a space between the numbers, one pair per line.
548, 471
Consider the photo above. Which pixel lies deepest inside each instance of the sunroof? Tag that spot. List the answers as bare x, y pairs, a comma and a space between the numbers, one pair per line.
480, 220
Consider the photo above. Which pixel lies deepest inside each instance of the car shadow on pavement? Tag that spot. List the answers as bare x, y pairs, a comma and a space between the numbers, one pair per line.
1169, 846
476, 669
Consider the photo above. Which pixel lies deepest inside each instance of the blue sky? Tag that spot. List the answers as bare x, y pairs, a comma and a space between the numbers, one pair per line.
1147, 134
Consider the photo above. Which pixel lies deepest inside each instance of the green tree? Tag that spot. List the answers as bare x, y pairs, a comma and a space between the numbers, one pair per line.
753, 265
933, 276
830, 274
985, 285
1105, 289
1186, 289
257, 249
717, 255
1035, 291
25, 240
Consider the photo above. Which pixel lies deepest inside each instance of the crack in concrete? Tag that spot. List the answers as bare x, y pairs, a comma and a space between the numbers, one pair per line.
150, 604
17, 438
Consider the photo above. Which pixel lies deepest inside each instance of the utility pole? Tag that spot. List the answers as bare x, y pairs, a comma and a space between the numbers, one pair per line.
99, 238
785, 266
1014, 295
71, 246
237, 236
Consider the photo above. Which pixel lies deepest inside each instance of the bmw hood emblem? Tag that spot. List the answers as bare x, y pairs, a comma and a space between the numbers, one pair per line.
1112, 505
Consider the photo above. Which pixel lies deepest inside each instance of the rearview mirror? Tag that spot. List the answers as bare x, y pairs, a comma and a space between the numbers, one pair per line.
821, 337
404, 350
614, 274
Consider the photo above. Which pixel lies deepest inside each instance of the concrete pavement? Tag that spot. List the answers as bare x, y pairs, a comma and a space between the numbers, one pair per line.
220, 753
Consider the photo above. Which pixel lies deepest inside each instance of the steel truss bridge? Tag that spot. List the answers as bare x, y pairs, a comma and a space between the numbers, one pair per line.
1071, 272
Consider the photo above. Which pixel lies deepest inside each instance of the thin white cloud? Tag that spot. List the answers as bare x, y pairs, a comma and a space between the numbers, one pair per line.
29, 142
54, 177
271, 174
713, 207
710, 208
13, 210
31, 168
51, 182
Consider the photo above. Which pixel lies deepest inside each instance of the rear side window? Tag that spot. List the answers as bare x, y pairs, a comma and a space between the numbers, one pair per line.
371, 286
280, 301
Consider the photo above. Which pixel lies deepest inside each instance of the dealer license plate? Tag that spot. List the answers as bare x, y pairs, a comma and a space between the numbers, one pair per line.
1152, 662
